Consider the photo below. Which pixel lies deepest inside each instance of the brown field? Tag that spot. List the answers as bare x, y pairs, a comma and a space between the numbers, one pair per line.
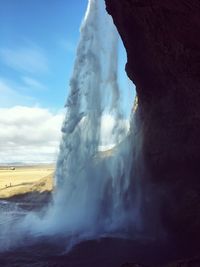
20, 180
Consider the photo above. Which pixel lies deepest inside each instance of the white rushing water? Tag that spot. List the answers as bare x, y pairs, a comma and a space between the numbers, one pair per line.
92, 183
92, 186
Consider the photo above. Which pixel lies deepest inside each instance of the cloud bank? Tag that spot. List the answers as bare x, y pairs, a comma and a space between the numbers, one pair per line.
29, 135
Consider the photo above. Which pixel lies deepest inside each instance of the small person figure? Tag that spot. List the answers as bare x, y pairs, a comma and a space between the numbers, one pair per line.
10, 184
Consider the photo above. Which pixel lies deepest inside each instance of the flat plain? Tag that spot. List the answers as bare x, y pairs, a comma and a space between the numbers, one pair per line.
18, 180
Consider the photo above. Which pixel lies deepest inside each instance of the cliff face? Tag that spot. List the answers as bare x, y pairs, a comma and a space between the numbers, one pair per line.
162, 40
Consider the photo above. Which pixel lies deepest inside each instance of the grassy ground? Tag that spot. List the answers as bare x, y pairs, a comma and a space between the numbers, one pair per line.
21, 180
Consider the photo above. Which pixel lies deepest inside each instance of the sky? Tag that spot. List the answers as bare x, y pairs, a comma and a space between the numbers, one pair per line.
38, 40
37, 48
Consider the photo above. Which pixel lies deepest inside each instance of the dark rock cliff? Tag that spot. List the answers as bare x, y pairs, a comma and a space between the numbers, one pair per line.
162, 40
187, 263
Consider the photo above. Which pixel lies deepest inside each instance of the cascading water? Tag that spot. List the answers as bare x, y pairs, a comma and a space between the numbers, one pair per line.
93, 171
92, 185
98, 192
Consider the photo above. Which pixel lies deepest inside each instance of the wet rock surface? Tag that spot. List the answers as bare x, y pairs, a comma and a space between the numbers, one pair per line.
105, 252
195, 262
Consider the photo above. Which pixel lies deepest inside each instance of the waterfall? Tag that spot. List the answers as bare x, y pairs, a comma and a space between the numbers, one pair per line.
92, 181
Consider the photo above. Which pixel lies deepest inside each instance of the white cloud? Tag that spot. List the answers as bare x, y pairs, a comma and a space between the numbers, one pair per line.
28, 58
32, 134
29, 135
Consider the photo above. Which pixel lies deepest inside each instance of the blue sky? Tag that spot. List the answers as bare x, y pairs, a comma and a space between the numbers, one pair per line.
37, 48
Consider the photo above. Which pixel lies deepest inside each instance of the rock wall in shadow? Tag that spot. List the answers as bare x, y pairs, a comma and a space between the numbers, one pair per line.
162, 40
